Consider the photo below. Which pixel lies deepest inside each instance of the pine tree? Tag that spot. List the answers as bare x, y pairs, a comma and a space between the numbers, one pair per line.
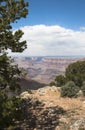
10, 106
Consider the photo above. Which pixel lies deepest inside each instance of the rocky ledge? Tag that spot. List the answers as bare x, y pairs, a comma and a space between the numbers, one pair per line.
46, 110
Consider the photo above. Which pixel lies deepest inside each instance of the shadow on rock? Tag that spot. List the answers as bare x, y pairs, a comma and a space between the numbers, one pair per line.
40, 118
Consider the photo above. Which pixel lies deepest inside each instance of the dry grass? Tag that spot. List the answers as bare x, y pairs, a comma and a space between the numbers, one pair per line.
74, 107
52, 97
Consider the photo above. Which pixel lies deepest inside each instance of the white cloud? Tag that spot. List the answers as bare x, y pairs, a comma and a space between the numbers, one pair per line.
53, 40
82, 28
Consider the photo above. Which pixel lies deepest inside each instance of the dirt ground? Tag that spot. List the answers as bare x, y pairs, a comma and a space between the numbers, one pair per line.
51, 97
74, 107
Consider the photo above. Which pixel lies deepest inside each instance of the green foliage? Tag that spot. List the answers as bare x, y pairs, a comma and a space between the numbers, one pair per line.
10, 107
52, 83
60, 80
69, 90
83, 88
9, 73
11, 110
76, 72
10, 11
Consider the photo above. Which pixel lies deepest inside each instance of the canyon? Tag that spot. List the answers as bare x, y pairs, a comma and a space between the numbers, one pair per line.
45, 69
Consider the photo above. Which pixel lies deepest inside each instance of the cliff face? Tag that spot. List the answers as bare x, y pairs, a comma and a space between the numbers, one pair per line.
44, 69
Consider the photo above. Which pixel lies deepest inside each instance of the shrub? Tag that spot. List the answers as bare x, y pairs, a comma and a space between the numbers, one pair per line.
83, 88
60, 80
76, 72
52, 83
69, 90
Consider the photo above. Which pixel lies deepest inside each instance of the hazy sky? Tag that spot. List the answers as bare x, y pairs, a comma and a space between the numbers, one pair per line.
54, 27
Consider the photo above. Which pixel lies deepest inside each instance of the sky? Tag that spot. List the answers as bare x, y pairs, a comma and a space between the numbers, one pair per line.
54, 27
